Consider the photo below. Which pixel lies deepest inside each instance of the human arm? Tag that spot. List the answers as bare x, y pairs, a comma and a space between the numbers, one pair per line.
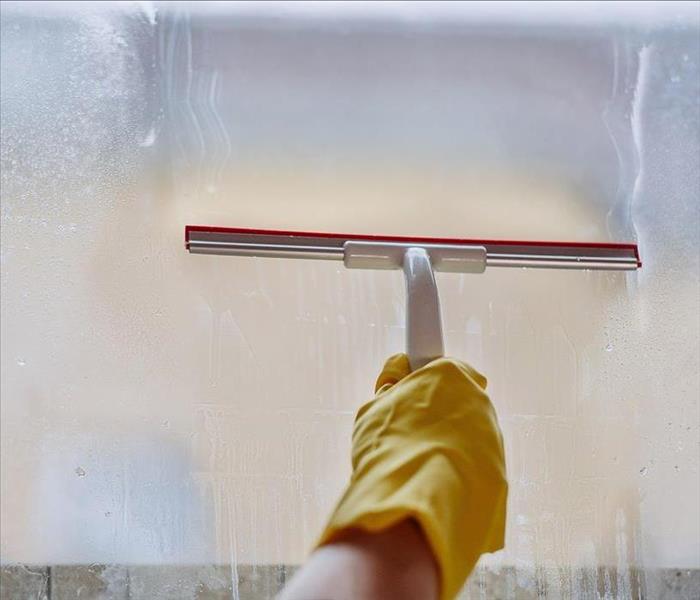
427, 450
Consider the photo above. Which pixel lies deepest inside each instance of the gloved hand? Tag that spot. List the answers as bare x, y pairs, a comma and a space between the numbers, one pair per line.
428, 447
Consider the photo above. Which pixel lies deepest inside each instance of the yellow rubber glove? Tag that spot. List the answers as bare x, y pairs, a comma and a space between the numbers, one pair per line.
428, 447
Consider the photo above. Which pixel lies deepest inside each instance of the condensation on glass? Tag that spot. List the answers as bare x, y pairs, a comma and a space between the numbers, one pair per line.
172, 423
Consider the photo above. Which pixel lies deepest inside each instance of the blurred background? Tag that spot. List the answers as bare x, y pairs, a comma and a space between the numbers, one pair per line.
177, 426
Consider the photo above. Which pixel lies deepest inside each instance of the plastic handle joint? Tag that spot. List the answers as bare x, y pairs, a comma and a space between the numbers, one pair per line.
423, 319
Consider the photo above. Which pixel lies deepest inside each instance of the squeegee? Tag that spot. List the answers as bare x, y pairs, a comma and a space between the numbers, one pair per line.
419, 257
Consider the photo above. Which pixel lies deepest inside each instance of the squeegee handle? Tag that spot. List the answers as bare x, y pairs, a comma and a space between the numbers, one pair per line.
423, 321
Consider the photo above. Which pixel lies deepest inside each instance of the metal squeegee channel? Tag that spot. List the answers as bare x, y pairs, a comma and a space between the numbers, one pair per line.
329, 246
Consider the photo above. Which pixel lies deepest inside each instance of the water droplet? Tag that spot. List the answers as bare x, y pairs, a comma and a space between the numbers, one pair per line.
608, 347
643, 471
21, 362
80, 472
149, 139
677, 468
166, 424
108, 514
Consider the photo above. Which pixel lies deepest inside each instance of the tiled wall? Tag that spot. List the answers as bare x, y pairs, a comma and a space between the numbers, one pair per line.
262, 582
